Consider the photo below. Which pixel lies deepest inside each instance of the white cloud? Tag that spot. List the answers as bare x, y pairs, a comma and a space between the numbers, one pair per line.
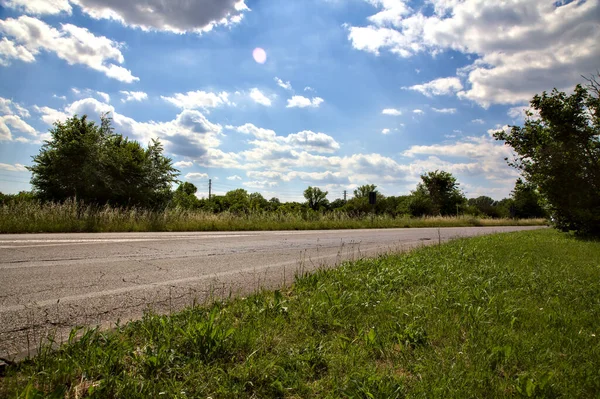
259, 97
392, 13
258, 132
418, 111
445, 110
190, 134
478, 121
308, 88
234, 177
391, 111
438, 87
50, 115
520, 47
183, 16
134, 96
286, 85
9, 51
40, 7
485, 157
190, 100
183, 164
303, 102
260, 184
306, 140
311, 141
385, 131
13, 168
73, 44
196, 176
105, 97
11, 122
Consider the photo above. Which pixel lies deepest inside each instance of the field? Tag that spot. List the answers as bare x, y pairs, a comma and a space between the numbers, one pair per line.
32, 217
510, 315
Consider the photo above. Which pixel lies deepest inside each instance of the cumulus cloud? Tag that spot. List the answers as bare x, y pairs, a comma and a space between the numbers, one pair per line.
444, 110
183, 164
484, 156
13, 168
177, 16
478, 121
11, 121
40, 7
133, 96
190, 134
196, 176
385, 131
520, 47
285, 85
71, 43
104, 96
306, 140
418, 111
197, 99
234, 177
438, 87
391, 111
258, 97
303, 102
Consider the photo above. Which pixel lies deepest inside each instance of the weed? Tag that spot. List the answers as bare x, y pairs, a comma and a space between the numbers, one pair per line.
510, 315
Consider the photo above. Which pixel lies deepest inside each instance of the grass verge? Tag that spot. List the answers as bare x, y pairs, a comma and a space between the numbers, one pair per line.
68, 217
509, 315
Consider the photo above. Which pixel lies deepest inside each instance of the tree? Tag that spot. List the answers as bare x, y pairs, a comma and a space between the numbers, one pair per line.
437, 194
316, 198
364, 190
559, 154
484, 205
237, 200
93, 164
185, 197
527, 202
257, 202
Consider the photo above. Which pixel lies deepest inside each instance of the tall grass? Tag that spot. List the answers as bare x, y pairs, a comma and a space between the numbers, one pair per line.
70, 217
508, 315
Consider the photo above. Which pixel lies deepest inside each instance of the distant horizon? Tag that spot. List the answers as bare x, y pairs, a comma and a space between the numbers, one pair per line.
273, 97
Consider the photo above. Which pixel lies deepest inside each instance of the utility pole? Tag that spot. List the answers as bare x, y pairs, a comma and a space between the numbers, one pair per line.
344, 195
209, 188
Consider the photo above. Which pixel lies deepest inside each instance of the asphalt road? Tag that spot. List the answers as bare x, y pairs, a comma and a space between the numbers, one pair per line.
50, 283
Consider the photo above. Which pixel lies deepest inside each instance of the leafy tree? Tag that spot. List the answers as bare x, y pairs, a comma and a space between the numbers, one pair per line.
527, 202
559, 154
363, 191
237, 200
485, 205
93, 164
257, 202
274, 204
438, 194
185, 197
337, 204
316, 198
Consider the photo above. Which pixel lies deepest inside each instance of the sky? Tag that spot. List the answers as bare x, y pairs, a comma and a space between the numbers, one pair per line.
275, 96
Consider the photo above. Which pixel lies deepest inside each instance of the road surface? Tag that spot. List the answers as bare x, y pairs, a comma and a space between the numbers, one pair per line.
53, 282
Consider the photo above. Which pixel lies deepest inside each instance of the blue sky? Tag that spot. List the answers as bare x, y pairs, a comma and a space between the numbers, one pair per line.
351, 92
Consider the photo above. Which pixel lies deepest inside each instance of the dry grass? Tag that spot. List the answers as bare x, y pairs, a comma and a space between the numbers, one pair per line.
33, 217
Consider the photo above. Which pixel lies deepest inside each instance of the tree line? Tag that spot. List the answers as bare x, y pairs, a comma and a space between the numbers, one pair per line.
557, 153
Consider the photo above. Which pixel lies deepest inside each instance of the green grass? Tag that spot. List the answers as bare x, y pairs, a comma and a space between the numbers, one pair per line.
33, 217
510, 315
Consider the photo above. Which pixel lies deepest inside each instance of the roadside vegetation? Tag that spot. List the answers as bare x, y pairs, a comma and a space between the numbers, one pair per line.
69, 217
508, 315
87, 178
